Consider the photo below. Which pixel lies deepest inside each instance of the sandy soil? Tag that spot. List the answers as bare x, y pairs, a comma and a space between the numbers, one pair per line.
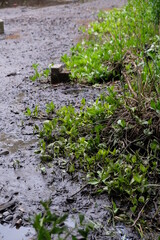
42, 35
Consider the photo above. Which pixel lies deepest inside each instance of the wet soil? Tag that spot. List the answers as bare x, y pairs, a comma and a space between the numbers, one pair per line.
38, 3
43, 35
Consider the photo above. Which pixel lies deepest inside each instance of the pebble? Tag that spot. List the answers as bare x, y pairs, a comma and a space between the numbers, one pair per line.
4, 153
19, 223
21, 209
8, 218
26, 217
5, 214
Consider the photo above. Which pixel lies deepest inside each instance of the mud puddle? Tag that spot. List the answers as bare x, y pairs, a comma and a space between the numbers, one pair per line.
9, 233
38, 3
12, 145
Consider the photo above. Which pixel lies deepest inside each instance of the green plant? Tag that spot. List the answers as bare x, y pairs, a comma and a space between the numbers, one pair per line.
38, 74
33, 113
116, 34
50, 107
115, 141
156, 10
115, 145
49, 225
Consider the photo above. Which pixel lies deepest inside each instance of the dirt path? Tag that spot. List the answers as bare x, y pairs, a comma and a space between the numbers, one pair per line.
41, 35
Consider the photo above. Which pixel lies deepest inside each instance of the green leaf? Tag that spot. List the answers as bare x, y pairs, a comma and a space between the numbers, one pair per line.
62, 219
141, 199
83, 101
142, 168
93, 181
50, 107
28, 112
74, 238
83, 233
43, 234
72, 168
154, 145
58, 230
115, 209
122, 123
46, 157
133, 209
137, 178
134, 159
81, 218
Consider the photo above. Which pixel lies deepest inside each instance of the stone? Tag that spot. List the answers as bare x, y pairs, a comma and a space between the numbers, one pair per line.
18, 223
4, 153
64, 76
59, 75
1, 26
57, 68
9, 218
5, 214
21, 209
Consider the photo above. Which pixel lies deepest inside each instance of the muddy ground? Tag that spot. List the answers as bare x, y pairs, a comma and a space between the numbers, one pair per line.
42, 35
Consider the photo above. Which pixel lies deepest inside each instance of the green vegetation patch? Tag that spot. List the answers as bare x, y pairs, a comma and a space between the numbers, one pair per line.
51, 226
116, 34
115, 142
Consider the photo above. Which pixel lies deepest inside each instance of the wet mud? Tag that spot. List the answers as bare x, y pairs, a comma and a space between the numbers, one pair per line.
43, 35
38, 3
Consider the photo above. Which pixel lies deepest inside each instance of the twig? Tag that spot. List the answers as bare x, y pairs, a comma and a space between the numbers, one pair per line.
129, 144
129, 85
156, 210
79, 190
152, 185
139, 214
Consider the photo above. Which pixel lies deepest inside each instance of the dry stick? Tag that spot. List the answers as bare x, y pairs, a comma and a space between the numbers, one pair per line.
157, 210
129, 85
139, 214
137, 140
79, 190
152, 185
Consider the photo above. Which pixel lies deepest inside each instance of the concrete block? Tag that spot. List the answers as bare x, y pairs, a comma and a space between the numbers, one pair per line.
57, 68
59, 74
1, 26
